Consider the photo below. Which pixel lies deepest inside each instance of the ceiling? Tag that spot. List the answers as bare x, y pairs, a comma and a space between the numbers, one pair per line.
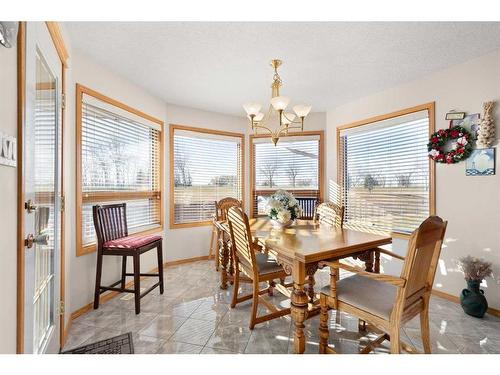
219, 66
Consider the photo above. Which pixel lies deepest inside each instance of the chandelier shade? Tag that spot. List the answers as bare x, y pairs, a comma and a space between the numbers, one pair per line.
280, 102
302, 110
252, 108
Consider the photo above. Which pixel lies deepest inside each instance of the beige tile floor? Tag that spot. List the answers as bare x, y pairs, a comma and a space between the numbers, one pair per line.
194, 316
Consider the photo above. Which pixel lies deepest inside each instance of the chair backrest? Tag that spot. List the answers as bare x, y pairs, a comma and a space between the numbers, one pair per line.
222, 206
308, 205
419, 269
241, 240
330, 214
110, 222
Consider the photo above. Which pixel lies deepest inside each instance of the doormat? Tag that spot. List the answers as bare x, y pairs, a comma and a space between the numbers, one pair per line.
121, 344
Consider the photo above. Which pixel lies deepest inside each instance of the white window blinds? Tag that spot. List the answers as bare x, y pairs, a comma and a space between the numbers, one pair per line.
293, 165
120, 163
384, 173
206, 167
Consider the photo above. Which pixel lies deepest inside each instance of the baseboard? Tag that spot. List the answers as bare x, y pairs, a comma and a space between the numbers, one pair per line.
452, 298
66, 330
187, 260
109, 295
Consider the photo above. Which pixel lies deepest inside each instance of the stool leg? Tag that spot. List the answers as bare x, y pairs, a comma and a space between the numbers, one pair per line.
124, 271
137, 283
98, 273
160, 266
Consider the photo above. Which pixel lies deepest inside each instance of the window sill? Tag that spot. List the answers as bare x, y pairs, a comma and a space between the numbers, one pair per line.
191, 225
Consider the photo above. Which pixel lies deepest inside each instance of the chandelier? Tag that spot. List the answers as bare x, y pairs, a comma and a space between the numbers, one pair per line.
277, 107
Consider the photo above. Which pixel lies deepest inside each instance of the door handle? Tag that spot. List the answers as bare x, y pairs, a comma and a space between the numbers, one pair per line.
30, 206
40, 239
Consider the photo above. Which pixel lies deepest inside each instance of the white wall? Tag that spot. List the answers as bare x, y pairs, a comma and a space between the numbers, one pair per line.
470, 204
8, 204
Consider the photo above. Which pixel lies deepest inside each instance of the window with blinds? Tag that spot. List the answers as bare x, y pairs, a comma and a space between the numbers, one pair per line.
205, 166
384, 173
294, 165
120, 161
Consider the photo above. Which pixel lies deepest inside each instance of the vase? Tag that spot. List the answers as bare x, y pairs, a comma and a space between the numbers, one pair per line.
279, 225
473, 300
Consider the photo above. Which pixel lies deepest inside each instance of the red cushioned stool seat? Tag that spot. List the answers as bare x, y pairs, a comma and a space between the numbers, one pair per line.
131, 242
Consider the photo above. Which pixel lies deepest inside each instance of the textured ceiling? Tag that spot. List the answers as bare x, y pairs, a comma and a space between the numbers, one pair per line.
220, 66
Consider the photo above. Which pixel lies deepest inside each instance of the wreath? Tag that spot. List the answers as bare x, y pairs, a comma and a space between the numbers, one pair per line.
461, 149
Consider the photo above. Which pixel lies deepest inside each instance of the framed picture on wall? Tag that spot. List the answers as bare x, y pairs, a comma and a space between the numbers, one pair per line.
455, 116
470, 123
481, 163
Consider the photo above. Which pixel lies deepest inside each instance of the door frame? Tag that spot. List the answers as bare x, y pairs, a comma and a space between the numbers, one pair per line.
55, 33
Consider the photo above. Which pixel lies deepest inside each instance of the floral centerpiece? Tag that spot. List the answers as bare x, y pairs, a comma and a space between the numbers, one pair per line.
282, 208
475, 271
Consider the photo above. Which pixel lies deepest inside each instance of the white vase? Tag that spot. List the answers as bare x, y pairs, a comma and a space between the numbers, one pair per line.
279, 225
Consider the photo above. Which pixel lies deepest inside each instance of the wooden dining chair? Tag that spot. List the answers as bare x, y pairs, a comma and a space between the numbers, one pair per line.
216, 244
385, 301
308, 205
256, 265
110, 223
329, 213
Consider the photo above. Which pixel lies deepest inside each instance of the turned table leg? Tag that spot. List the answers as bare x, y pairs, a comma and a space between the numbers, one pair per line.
368, 258
299, 304
225, 260
231, 266
310, 288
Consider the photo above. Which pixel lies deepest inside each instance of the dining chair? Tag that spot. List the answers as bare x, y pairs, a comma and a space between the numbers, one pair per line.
216, 244
386, 301
255, 265
308, 205
110, 223
329, 213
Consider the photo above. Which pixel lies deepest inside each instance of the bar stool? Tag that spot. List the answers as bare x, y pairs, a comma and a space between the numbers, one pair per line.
110, 223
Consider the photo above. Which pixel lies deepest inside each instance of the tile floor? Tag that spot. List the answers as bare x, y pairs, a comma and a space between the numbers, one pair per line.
193, 316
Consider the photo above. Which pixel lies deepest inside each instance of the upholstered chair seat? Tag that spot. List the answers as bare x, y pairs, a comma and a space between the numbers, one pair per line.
372, 296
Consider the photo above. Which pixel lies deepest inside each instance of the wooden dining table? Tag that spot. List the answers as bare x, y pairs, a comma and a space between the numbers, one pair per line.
300, 248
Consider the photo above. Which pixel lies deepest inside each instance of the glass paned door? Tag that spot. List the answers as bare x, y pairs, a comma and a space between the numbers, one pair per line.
42, 171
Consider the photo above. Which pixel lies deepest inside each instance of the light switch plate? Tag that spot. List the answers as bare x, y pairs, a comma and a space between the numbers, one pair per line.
8, 150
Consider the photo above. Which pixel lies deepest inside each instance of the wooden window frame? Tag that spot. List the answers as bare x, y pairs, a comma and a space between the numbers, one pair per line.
430, 108
110, 196
321, 163
173, 128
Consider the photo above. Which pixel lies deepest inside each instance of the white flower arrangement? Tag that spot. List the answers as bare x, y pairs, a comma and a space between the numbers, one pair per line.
283, 207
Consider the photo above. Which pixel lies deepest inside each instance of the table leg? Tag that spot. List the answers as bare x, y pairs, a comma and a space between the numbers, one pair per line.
367, 257
310, 288
299, 306
231, 267
225, 260
377, 262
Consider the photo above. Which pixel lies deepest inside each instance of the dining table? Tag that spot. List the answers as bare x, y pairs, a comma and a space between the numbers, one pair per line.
299, 249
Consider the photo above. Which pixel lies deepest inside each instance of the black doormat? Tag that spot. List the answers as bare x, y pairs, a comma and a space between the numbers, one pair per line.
121, 344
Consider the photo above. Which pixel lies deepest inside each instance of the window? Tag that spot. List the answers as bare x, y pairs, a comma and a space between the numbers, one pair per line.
120, 155
205, 166
385, 175
294, 164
